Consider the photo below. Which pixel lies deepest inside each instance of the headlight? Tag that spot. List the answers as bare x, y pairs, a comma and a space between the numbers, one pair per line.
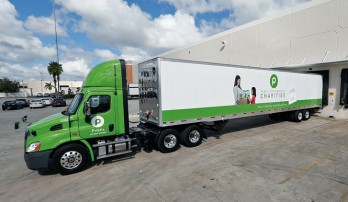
34, 147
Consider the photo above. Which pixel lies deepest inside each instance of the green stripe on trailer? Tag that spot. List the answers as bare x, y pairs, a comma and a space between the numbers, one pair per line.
185, 114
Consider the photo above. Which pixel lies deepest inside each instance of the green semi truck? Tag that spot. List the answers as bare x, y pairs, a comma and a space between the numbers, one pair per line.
178, 101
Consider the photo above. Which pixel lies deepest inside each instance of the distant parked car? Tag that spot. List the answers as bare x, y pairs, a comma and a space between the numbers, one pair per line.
47, 101
23, 102
46, 95
58, 102
39, 95
37, 104
53, 95
11, 104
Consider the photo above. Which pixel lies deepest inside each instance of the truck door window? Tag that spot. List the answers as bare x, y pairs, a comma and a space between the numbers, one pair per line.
99, 103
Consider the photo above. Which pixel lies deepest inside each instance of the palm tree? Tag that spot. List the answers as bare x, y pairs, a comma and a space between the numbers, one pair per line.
49, 86
55, 69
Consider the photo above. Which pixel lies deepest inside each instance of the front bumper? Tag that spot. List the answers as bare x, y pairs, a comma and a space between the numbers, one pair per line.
37, 160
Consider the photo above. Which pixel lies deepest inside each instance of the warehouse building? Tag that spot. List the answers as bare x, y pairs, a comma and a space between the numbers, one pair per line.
34, 87
312, 37
39, 86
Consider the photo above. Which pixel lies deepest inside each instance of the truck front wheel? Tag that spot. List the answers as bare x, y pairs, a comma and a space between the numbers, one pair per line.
69, 159
192, 136
168, 141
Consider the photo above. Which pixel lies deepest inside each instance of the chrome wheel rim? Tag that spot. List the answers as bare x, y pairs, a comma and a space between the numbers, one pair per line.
170, 141
194, 136
299, 116
307, 114
71, 160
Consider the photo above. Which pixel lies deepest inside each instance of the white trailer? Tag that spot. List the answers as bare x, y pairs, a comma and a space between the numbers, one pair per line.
175, 92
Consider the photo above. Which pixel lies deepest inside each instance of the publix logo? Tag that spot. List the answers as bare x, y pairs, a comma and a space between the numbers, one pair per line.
273, 81
97, 121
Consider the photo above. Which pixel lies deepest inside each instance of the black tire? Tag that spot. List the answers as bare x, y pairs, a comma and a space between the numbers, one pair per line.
297, 116
3, 108
168, 141
306, 114
192, 136
65, 165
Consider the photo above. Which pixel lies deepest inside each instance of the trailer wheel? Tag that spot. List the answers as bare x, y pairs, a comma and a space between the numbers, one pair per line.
192, 136
297, 116
168, 140
306, 114
69, 159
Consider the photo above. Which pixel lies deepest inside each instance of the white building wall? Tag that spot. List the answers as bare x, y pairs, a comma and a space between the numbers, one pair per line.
23, 92
315, 32
39, 87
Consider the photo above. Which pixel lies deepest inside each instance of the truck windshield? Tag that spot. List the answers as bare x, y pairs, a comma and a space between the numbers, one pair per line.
75, 104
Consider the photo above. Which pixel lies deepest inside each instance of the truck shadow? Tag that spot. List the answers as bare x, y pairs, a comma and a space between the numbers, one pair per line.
234, 125
240, 124
45, 172
113, 159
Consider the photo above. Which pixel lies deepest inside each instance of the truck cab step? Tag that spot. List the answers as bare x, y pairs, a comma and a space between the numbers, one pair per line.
111, 143
114, 154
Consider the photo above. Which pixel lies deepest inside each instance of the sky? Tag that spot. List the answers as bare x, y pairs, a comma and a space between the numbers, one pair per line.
94, 31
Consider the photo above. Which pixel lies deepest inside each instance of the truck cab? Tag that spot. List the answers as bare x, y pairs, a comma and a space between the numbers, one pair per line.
94, 126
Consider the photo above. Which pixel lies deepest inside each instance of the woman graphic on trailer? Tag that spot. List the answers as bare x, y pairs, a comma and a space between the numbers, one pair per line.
237, 90
253, 95
238, 93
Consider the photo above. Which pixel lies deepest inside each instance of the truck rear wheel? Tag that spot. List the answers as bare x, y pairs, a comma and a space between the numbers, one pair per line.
192, 136
168, 140
69, 159
306, 114
297, 116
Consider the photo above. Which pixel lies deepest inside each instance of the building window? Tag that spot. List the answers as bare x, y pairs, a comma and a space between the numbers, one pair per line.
344, 88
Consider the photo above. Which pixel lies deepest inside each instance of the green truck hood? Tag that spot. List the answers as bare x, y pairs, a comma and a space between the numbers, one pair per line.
50, 131
55, 118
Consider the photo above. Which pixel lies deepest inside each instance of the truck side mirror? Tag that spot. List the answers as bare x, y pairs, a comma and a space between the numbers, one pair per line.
25, 118
87, 109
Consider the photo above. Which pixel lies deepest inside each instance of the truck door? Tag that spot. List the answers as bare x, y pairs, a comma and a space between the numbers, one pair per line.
102, 120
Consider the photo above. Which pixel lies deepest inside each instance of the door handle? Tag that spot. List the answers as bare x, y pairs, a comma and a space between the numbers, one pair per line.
111, 127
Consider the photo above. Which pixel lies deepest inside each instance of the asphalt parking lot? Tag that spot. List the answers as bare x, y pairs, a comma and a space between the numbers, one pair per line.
255, 159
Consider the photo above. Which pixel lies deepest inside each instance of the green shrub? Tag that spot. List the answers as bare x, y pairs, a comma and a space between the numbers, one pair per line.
69, 96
